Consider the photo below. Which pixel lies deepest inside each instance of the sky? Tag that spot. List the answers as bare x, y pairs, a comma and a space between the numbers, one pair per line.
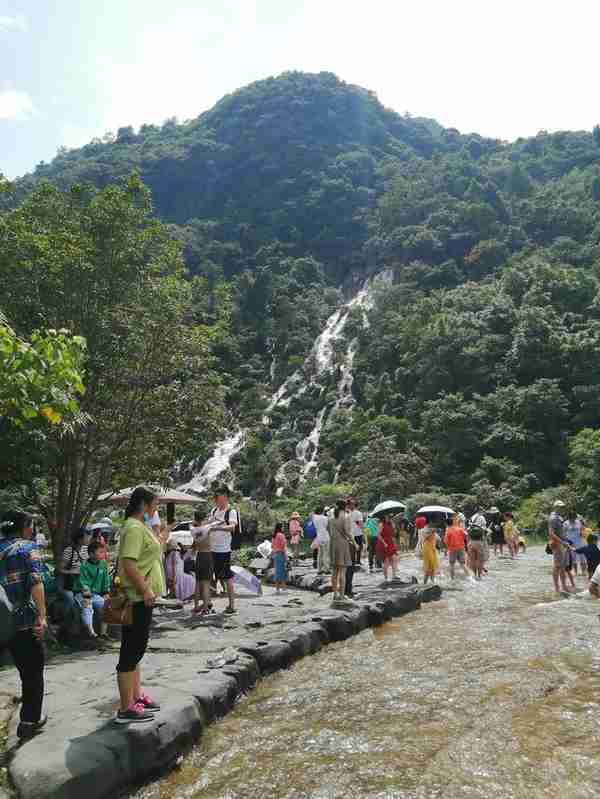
71, 70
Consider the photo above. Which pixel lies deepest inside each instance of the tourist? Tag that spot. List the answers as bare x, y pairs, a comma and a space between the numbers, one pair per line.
476, 552
279, 553
558, 546
21, 578
72, 558
340, 548
386, 548
423, 531
591, 553
97, 537
573, 532
403, 535
429, 553
141, 577
511, 535
455, 540
220, 543
594, 585
478, 519
497, 531
181, 585
321, 523
203, 565
94, 587
295, 530
370, 534
356, 519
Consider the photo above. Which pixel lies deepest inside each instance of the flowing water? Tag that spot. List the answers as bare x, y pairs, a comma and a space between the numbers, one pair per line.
491, 693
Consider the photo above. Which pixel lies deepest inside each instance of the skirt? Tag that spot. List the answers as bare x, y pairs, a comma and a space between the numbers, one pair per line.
339, 549
498, 538
280, 570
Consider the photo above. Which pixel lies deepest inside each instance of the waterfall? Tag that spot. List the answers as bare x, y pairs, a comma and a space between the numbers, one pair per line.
322, 355
218, 463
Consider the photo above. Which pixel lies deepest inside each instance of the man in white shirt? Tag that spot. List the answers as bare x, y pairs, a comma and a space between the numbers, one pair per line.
478, 519
220, 542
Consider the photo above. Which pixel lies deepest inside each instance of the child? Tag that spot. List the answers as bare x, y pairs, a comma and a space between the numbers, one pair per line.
279, 553
431, 561
295, 529
94, 585
203, 566
476, 553
591, 552
456, 544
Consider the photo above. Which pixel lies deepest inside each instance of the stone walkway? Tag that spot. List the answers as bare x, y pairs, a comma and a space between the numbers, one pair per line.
196, 668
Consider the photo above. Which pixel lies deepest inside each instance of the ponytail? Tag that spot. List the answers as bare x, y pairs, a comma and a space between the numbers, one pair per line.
140, 496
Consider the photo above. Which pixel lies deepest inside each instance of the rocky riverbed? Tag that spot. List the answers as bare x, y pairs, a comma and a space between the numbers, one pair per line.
197, 669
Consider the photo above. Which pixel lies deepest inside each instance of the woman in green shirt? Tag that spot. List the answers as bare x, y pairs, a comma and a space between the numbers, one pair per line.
141, 576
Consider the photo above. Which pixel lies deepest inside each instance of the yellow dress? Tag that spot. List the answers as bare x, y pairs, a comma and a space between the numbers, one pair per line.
430, 556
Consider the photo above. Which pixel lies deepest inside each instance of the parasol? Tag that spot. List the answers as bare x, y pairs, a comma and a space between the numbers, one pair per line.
389, 506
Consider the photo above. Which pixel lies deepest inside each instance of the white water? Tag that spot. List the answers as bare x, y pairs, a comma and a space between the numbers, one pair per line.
218, 463
323, 356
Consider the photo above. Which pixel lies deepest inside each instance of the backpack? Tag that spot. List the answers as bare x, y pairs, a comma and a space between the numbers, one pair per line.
310, 530
239, 528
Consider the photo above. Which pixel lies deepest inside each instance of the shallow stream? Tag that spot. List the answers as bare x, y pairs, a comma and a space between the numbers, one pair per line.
492, 692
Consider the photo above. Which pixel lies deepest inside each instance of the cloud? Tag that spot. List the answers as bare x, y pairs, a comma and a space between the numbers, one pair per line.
10, 24
16, 106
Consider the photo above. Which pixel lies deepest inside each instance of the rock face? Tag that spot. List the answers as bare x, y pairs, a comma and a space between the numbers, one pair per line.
197, 678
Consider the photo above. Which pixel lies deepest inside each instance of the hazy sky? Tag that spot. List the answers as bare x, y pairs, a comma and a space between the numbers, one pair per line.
74, 69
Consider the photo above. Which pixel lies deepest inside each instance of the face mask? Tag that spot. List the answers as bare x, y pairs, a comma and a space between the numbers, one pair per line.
146, 517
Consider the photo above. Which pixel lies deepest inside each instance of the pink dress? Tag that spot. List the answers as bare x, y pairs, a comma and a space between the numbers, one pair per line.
295, 530
185, 584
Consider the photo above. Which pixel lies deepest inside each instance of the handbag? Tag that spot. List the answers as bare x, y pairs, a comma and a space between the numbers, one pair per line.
118, 608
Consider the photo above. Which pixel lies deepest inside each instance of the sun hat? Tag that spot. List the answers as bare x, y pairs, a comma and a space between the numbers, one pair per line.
559, 504
494, 509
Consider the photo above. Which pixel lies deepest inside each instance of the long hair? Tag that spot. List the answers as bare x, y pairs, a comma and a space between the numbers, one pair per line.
278, 529
340, 506
140, 496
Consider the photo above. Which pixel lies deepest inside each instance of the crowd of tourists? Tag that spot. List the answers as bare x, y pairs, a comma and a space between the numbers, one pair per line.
341, 539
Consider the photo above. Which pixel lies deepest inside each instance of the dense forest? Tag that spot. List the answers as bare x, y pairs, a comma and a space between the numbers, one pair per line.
471, 371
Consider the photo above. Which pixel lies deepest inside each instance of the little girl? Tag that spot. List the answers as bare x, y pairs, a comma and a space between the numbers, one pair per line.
295, 529
279, 553
431, 561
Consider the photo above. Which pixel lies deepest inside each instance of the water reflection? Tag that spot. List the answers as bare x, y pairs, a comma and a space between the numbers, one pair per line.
492, 692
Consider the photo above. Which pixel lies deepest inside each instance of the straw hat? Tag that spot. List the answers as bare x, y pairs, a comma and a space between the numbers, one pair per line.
559, 504
494, 510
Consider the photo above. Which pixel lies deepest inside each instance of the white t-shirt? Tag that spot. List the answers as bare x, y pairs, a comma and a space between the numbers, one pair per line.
356, 522
479, 520
154, 521
322, 526
220, 540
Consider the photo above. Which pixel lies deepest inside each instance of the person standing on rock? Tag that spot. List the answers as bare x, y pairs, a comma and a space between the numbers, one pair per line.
356, 519
220, 544
279, 553
21, 578
370, 534
386, 547
341, 543
321, 523
295, 529
141, 577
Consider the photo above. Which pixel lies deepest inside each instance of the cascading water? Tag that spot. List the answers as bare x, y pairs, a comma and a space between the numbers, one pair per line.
218, 463
321, 361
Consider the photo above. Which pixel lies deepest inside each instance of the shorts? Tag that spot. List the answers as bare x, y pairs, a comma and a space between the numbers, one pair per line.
134, 638
457, 556
561, 558
222, 565
203, 567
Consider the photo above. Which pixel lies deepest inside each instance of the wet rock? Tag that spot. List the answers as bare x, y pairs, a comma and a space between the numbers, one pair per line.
216, 692
270, 655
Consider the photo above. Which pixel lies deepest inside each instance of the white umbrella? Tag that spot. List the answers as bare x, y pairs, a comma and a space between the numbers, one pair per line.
389, 506
435, 509
247, 580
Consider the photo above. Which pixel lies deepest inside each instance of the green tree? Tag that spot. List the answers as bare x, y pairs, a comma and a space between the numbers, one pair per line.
97, 265
584, 470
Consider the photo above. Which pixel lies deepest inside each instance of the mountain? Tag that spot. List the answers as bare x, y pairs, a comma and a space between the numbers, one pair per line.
400, 305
